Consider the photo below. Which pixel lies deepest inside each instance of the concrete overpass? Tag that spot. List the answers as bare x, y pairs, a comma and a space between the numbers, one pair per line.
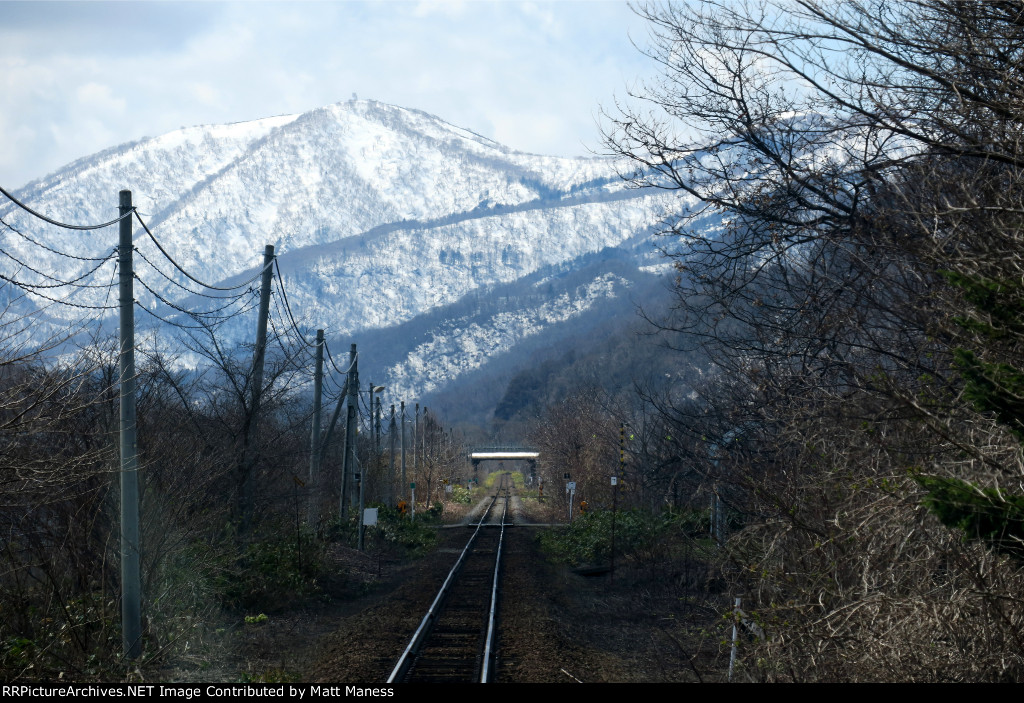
510, 453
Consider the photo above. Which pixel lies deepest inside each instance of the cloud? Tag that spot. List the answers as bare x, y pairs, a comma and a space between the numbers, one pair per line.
544, 18
98, 74
98, 98
448, 8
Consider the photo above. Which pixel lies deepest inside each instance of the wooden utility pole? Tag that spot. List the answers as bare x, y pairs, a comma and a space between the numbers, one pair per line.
390, 497
371, 464
349, 466
377, 428
405, 479
334, 421
314, 440
131, 581
259, 357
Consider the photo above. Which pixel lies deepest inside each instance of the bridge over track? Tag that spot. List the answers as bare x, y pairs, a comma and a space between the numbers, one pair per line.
505, 453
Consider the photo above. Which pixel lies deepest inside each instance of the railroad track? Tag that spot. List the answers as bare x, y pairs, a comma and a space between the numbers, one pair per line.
455, 641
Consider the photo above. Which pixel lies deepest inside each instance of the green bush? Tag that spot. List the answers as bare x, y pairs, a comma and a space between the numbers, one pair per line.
274, 569
414, 537
588, 540
693, 523
461, 494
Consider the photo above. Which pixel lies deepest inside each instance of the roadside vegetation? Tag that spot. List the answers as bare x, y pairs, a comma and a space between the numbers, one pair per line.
635, 536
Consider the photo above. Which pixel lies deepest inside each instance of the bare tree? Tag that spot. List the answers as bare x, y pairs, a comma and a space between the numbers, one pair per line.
860, 300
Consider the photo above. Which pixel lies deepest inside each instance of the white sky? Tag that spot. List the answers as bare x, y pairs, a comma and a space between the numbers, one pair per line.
78, 77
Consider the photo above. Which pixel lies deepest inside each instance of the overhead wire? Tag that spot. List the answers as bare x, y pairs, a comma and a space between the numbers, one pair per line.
289, 357
288, 307
32, 289
331, 385
39, 244
331, 395
26, 292
169, 322
197, 316
110, 287
191, 313
288, 331
190, 276
64, 225
182, 287
327, 348
341, 373
58, 283
294, 331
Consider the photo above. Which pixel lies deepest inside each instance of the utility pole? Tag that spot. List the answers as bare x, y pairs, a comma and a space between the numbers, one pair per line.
402, 423
334, 421
370, 464
391, 451
423, 456
131, 581
348, 470
423, 437
314, 440
377, 427
615, 492
249, 457
373, 431
415, 442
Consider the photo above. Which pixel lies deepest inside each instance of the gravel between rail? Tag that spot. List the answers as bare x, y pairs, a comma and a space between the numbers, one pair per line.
556, 626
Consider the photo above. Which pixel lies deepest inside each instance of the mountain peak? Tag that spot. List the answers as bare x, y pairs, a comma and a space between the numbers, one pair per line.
381, 216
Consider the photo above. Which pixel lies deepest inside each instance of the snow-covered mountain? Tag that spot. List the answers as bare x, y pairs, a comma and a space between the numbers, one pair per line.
383, 219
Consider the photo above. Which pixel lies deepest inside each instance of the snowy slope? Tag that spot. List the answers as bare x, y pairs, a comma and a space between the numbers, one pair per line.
380, 215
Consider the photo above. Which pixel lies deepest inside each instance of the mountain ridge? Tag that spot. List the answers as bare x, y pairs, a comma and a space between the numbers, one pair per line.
379, 215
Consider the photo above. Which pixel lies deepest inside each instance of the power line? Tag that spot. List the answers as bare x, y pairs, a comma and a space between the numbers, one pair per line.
280, 284
290, 358
58, 283
186, 273
184, 288
331, 358
289, 333
27, 238
343, 374
44, 218
201, 317
32, 289
168, 322
196, 315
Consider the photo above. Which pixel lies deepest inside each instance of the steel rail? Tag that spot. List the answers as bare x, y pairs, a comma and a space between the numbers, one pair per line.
486, 670
428, 620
